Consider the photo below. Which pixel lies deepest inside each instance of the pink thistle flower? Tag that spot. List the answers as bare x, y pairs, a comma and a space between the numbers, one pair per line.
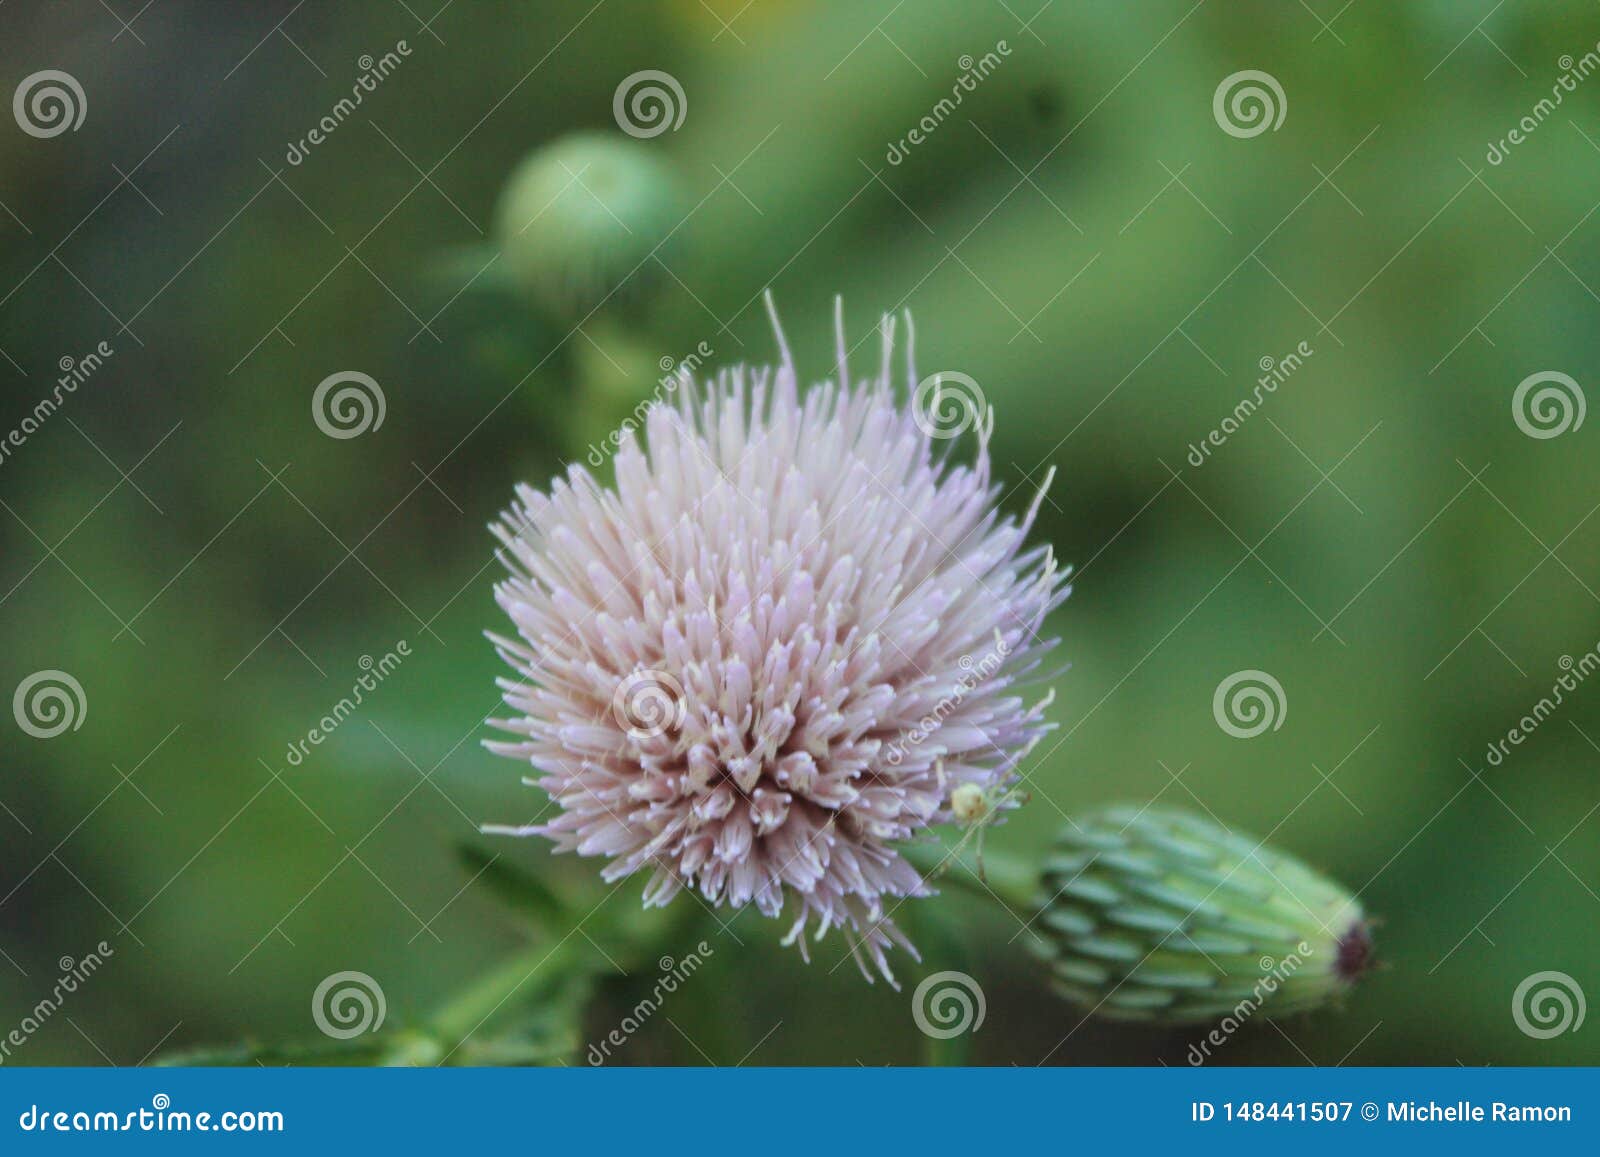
772, 651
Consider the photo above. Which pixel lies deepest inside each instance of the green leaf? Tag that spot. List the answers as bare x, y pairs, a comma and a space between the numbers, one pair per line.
364, 1050
516, 888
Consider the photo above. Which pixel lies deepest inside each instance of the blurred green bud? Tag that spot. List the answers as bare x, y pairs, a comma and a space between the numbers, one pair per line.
1156, 914
579, 219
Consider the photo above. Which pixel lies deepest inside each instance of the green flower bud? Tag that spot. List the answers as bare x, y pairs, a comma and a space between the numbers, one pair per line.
1156, 914
579, 220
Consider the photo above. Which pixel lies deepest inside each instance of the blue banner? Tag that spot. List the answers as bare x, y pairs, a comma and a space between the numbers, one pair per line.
710, 1111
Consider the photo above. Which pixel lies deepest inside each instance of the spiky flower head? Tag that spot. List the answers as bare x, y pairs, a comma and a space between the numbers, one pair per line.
775, 648
1151, 913
580, 218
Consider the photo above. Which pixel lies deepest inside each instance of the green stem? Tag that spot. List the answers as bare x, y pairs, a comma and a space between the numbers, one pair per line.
508, 987
516, 980
1009, 881
537, 972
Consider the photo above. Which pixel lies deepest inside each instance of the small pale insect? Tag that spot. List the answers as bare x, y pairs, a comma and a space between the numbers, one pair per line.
968, 804
975, 809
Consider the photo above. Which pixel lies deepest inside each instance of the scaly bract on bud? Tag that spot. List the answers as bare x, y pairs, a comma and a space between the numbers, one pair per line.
1156, 914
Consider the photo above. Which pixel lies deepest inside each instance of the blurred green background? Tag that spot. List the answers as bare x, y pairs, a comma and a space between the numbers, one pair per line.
1079, 235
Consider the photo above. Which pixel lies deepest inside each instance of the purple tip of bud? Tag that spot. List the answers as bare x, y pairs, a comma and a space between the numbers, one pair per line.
1355, 955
